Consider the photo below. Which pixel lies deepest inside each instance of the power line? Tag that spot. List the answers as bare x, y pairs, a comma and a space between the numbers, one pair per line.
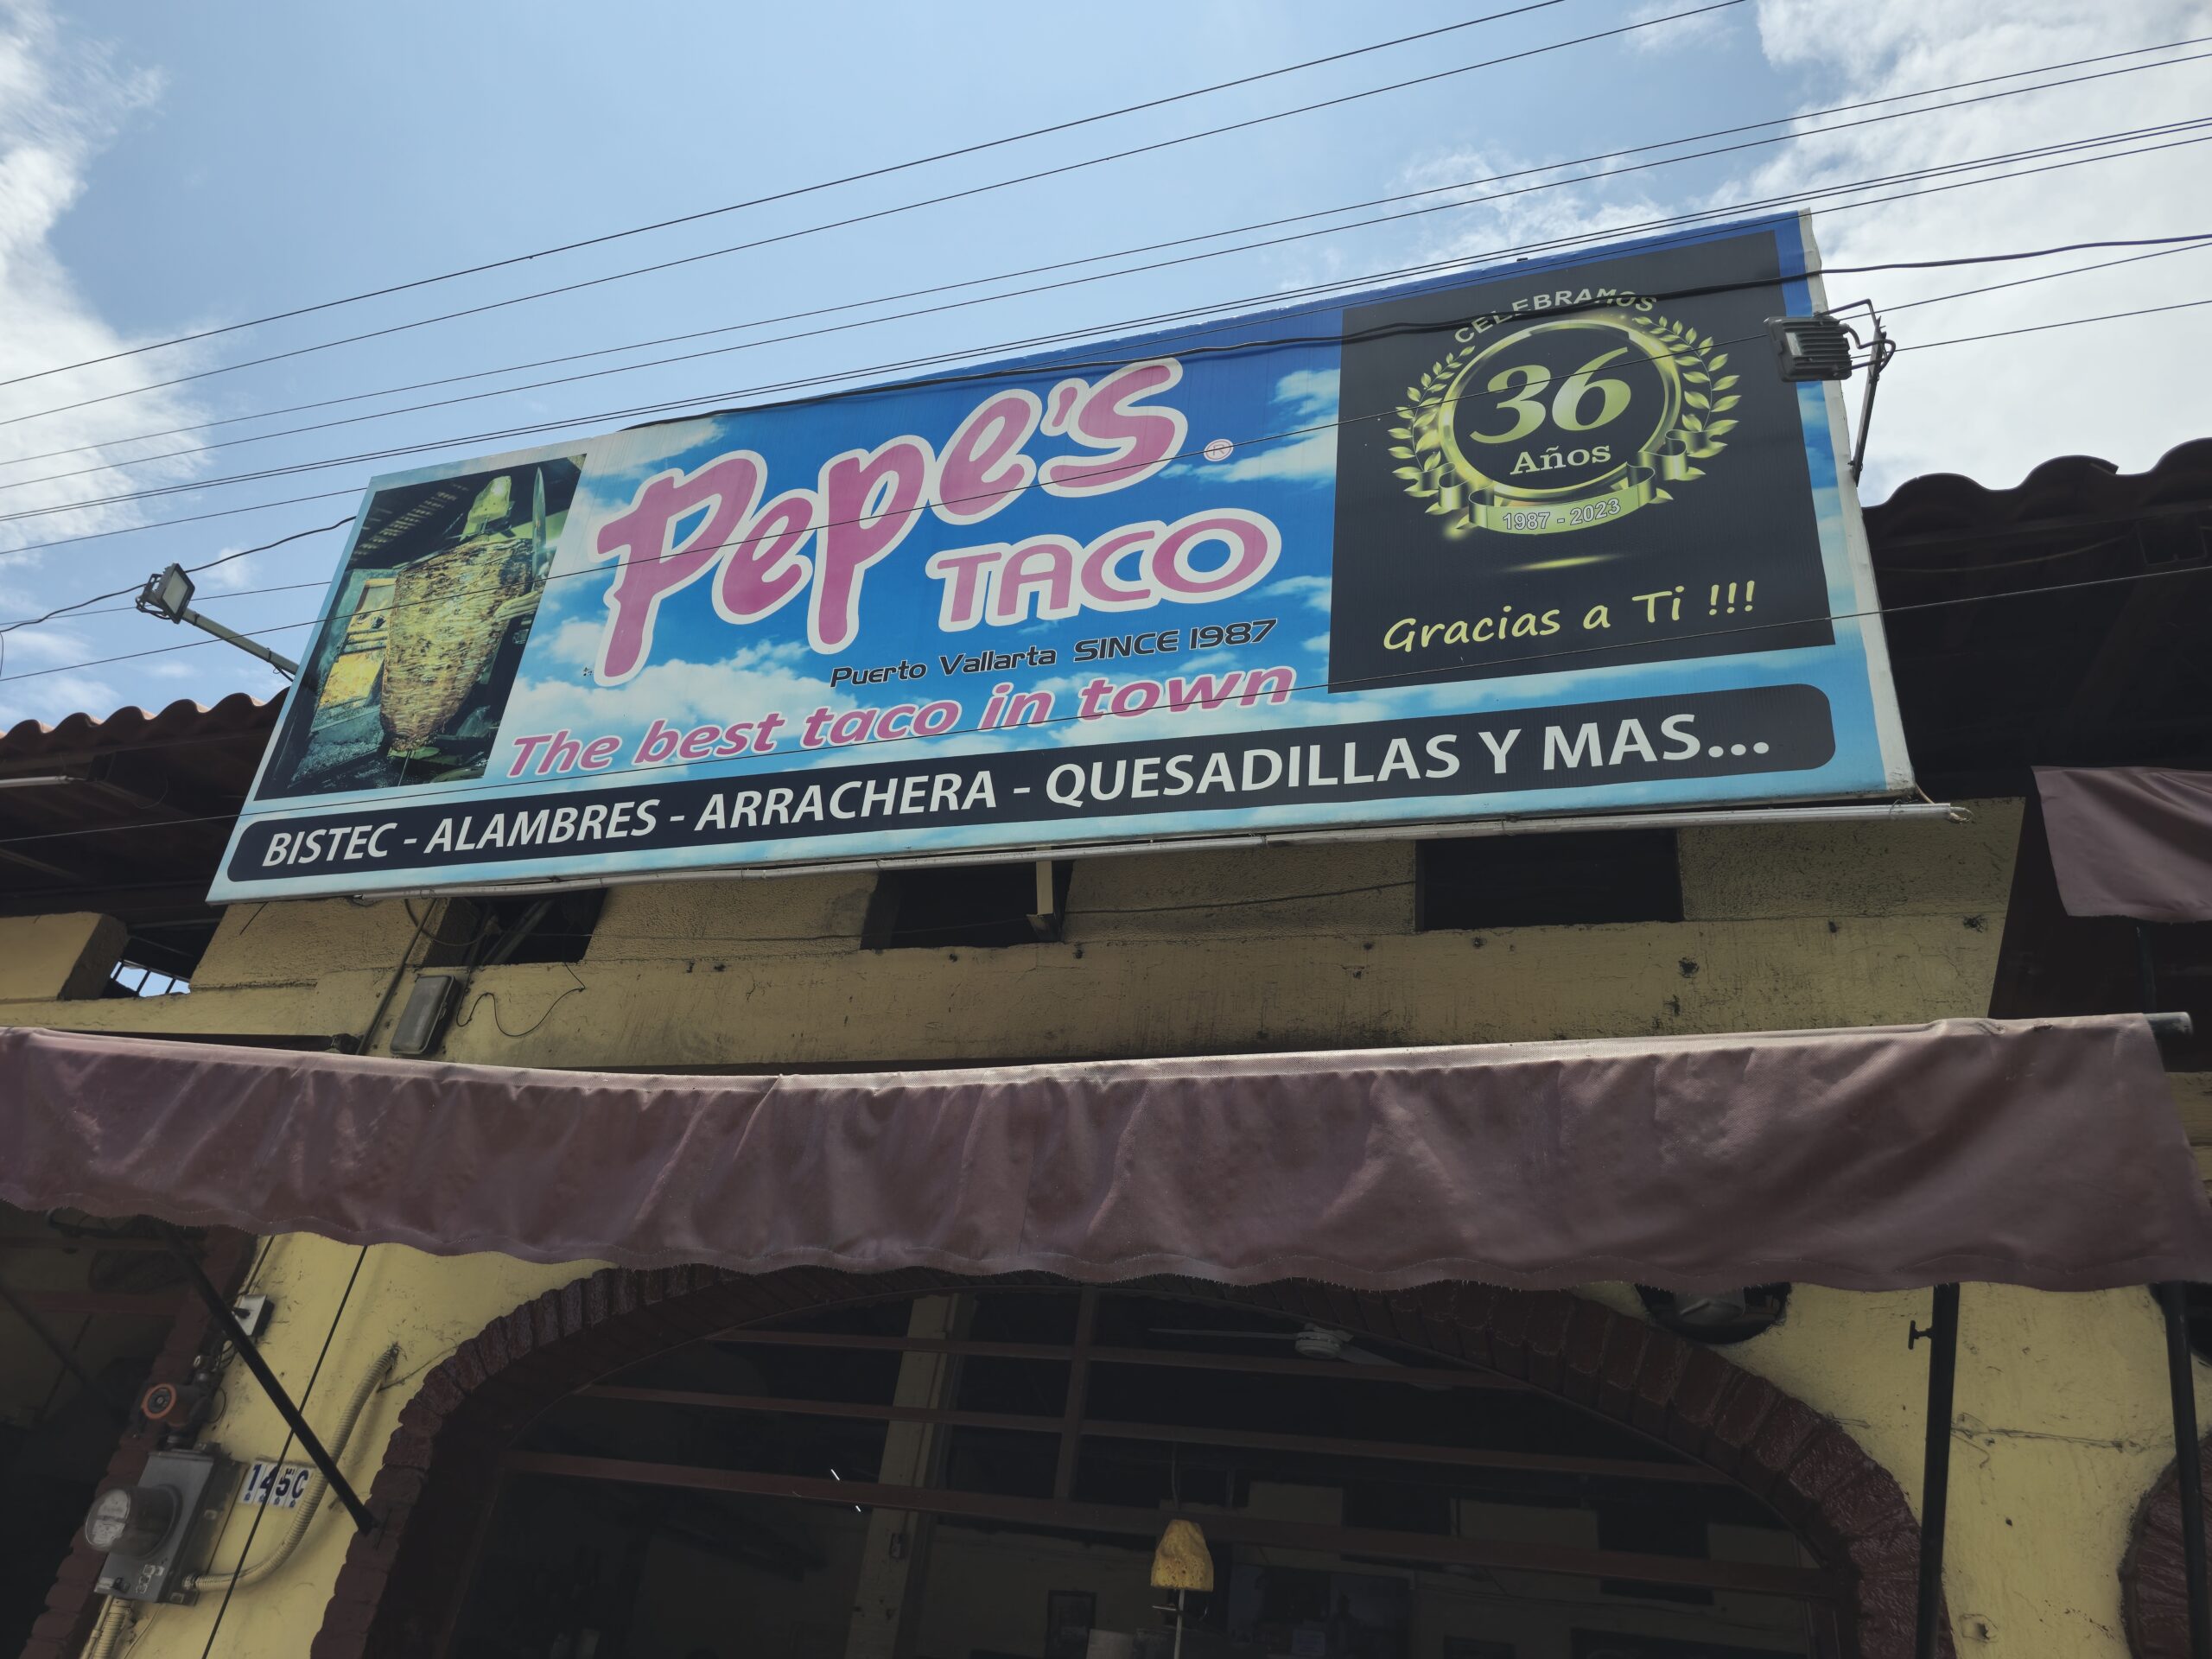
244, 552
401, 795
1293, 434
329, 1336
942, 288
2070, 322
1701, 217
879, 214
782, 195
1606, 175
2162, 129
2193, 245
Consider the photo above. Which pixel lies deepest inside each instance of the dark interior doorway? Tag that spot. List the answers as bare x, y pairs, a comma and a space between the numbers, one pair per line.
982, 1474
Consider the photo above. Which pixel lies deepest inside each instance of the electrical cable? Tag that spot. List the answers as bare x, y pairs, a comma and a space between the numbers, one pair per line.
2166, 129
2043, 328
782, 195
2189, 245
2197, 243
601, 569
63, 610
1292, 434
1702, 217
230, 1589
880, 213
1609, 155
402, 795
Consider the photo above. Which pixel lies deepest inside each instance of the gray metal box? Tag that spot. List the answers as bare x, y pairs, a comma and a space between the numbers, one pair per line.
198, 1479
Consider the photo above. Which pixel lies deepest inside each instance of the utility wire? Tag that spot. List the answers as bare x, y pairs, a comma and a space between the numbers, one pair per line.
2194, 243
328, 1337
879, 214
974, 282
601, 569
781, 195
2070, 322
151, 492
244, 552
1705, 216
1366, 682
2191, 244
1096, 277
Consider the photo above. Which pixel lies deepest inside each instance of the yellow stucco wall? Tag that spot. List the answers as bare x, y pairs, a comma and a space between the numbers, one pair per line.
2061, 1419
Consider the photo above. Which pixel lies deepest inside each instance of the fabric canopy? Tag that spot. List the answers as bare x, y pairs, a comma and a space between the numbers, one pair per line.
2130, 841
2043, 1152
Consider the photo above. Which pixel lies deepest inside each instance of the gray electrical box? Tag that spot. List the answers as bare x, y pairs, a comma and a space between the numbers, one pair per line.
186, 1489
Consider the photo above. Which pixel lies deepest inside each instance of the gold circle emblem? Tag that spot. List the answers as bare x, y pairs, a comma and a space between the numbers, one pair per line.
1563, 424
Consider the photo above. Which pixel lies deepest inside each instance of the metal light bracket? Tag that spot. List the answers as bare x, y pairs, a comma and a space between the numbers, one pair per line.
167, 595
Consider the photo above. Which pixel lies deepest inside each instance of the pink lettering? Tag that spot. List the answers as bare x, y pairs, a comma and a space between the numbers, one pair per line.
870, 500
1047, 565
658, 744
1103, 590
528, 746
1135, 697
1253, 545
963, 570
983, 467
1138, 443
765, 568
1204, 691
851, 727
650, 569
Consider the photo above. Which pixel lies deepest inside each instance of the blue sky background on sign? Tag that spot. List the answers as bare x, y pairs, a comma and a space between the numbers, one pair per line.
700, 671
168, 175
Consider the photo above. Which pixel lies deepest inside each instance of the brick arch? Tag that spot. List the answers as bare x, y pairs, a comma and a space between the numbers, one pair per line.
432, 1499
2154, 1573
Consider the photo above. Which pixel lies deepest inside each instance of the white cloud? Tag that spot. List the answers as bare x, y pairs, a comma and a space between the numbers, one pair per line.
1676, 37
1315, 591
63, 100
2125, 390
1310, 456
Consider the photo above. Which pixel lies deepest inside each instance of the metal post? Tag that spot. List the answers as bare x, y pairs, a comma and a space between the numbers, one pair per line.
1943, 1333
294, 1421
2173, 1301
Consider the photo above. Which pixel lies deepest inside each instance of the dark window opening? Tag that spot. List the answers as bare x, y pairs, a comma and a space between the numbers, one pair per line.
999, 1462
977, 906
1654, 1529
1547, 881
492, 933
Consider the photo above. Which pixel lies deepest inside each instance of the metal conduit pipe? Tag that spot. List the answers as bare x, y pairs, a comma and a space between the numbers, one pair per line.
109, 1630
246, 1577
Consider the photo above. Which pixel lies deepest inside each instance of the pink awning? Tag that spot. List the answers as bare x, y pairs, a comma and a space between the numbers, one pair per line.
2130, 841
2043, 1153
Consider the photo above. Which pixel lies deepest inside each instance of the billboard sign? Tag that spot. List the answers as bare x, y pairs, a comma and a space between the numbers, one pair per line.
1549, 539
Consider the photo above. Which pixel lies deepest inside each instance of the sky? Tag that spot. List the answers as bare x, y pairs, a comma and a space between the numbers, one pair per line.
161, 177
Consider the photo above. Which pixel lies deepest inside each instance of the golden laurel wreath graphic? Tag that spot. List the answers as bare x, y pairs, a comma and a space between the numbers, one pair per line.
1475, 492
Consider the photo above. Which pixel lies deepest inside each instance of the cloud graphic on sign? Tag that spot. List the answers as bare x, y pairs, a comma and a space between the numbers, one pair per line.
1300, 590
